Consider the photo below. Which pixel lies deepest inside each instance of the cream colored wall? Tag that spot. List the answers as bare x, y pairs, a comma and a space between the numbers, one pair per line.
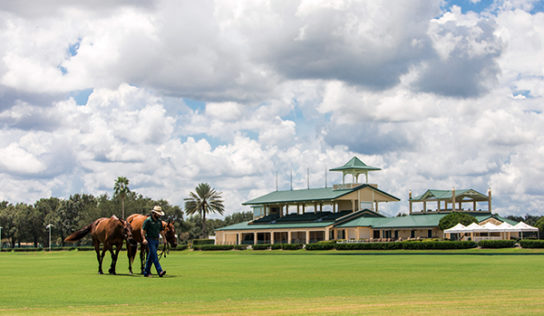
344, 205
230, 236
406, 233
219, 237
366, 194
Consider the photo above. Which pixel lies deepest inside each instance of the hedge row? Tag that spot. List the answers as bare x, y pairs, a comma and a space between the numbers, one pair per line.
496, 243
407, 245
531, 243
321, 245
219, 247
277, 246
203, 242
261, 246
328, 245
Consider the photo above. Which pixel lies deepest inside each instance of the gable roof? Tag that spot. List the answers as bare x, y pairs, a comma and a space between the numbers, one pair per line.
355, 164
305, 195
365, 218
414, 220
433, 195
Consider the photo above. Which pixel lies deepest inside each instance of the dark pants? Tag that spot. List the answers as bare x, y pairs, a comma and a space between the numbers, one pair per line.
152, 245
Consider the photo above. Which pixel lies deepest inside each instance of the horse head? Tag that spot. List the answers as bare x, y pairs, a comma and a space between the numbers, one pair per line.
127, 232
170, 233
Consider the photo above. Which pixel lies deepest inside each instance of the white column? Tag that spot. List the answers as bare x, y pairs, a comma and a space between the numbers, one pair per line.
289, 237
307, 236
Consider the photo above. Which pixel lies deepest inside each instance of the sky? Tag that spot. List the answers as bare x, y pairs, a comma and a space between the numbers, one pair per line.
242, 94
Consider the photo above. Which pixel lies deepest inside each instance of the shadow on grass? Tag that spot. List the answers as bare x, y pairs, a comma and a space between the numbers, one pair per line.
137, 275
433, 254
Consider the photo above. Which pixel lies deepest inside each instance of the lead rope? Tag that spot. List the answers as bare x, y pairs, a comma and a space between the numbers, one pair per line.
165, 251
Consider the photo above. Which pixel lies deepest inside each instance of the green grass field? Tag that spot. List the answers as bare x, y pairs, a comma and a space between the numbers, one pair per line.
279, 282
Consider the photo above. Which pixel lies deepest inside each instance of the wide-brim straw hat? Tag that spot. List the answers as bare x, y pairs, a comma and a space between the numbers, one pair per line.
158, 210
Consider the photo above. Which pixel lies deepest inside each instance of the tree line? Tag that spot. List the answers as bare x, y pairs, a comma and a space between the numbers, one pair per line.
25, 224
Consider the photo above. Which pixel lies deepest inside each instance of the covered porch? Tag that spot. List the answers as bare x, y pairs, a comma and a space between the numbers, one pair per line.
275, 236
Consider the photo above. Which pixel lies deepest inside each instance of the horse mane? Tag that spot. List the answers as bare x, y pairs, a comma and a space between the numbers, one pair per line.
75, 236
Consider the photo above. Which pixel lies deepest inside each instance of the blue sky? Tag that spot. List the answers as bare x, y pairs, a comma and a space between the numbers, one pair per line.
437, 94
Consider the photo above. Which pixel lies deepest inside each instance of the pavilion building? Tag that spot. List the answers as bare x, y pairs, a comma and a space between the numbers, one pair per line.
349, 211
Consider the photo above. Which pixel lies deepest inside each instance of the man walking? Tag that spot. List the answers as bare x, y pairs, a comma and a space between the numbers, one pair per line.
150, 231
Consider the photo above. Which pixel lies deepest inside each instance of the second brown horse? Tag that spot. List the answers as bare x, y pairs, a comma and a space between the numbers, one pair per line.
137, 221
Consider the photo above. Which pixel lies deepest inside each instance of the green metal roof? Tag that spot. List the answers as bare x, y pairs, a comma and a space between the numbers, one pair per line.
410, 221
320, 194
415, 220
354, 164
298, 196
434, 195
247, 226
426, 220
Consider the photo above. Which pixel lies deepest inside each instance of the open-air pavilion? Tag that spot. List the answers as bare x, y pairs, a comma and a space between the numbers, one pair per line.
450, 200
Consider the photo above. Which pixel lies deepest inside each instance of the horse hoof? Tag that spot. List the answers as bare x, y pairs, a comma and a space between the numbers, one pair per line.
112, 272
100, 272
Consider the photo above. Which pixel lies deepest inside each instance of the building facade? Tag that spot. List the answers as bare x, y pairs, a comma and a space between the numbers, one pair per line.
349, 211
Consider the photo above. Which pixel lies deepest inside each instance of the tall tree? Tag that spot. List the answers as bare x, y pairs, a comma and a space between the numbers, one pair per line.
8, 222
121, 190
455, 218
206, 200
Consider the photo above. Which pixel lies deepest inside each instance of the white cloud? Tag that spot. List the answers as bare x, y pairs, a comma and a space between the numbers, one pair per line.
436, 99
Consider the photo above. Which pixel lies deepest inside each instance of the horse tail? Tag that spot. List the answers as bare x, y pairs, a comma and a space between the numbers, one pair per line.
79, 234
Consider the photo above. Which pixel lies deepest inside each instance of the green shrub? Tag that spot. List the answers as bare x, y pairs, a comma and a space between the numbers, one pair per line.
525, 243
369, 246
321, 245
213, 247
409, 245
261, 246
291, 246
203, 242
85, 248
412, 245
27, 249
275, 246
180, 247
496, 243
240, 247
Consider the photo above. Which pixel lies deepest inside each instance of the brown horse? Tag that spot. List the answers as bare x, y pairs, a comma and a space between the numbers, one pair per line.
137, 221
109, 231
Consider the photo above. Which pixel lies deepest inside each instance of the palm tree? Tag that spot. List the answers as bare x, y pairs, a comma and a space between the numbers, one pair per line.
121, 189
206, 200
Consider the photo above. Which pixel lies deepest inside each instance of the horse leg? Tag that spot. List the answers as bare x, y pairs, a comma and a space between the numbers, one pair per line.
113, 260
98, 257
143, 250
117, 249
131, 252
101, 258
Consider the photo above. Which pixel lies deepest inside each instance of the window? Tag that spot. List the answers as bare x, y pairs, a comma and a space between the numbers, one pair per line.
430, 233
413, 234
258, 211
